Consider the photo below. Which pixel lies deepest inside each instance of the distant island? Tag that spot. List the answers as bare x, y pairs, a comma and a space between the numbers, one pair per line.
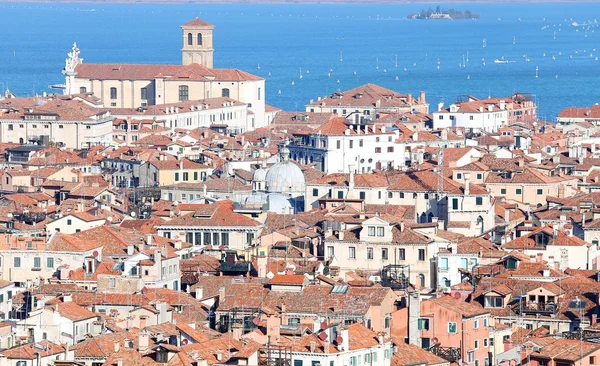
439, 13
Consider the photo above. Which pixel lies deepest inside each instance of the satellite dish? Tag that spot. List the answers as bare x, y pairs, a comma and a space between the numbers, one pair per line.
184, 341
175, 203
456, 295
339, 340
434, 340
132, 214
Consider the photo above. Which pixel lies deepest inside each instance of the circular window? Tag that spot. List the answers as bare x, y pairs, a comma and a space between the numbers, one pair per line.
370, 160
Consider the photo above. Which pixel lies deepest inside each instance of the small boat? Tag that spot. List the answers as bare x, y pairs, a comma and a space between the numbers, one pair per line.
397, 78
354, 73
483, 61
514, 40
258, 67
279, 92
328, 74
338, 81
301, 74
57, 86
293, 83
500, 61
269, 73
536, 72
405, 69
396, 64
341, 57
377, 63
467, 56
468, 77
574, 24
483, 45
384, 70
308, 71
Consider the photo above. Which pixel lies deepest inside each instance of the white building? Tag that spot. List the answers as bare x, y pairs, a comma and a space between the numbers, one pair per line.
474, 115
339, 143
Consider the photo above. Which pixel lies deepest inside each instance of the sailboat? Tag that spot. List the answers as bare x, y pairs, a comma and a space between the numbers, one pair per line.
484, 45
514, 40
258, 67
536, 72
377, 63
501, 60
467, 56
341, 57
301, 74
483, 61
438, 64
396, 64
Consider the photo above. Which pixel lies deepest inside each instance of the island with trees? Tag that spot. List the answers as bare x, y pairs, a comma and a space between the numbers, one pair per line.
439, 13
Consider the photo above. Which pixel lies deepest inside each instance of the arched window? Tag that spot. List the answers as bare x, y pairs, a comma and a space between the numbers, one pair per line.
480, 222
445, 282
83, 90
421, 278
190, 39
225, 93
430, 217
199, 39
113, 93
184, 93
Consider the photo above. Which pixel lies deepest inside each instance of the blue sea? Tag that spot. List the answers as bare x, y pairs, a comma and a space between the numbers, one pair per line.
287, 40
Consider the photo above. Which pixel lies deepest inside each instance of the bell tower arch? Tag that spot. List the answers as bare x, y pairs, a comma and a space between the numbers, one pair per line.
197, 43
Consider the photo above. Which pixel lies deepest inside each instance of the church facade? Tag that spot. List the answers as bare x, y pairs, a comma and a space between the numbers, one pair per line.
142, 85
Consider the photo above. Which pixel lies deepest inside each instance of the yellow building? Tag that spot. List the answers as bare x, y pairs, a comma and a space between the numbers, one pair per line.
163, 172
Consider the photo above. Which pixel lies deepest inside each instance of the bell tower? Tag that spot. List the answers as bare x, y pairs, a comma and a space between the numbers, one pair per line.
197, 43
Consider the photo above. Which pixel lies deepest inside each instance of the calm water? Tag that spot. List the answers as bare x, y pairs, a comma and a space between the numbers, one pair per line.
286, 38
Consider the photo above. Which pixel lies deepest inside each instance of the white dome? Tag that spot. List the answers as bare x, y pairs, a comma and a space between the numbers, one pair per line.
285, 176
260, 175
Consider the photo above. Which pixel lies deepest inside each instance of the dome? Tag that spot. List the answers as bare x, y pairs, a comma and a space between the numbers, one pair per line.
260, 175
285, 176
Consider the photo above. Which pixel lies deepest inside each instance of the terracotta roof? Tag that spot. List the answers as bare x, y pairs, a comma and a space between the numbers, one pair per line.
288, 279
410, 355
30, 351
464, 308
197, 23
215, 214
72, 311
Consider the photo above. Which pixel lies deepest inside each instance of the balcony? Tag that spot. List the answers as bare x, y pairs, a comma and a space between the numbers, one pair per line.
546, 309
450, 354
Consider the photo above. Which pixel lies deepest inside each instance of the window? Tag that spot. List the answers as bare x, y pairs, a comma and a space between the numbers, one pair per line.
384, 253
190, 39
338, 144
470, 356
10, 127
444, 263
113, 93
225, 93
380, 231
592, 360
540, 191
83, 90
377, 150
185, 176
37, 262
451, 327
485, 342
503, 191
225, 239
423, 324
352, 252
351, 144
144, 93
369, 253
479, 201
518, 191
184, 93
402, 254
360, 143
340, 194
195, 175
494, 302
475, 324
421, 255
455, 203
315, 192
485, 322
362, 195
17, 262
330, 251
199, 39
479, 176
112, 282
371, 230
390, 149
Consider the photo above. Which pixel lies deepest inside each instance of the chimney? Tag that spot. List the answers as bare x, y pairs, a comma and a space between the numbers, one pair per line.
130, 249
345, 342
273, 330
313, 346
557, 266
467, 177
117, 346
199, 293
148, 239
594, 319
422, 97
502, 105
237, 332
381, 337
539, 257
143, 341
219, 355
506, 215
351, 180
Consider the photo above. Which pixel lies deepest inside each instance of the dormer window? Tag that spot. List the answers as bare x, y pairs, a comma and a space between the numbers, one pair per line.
494, 301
